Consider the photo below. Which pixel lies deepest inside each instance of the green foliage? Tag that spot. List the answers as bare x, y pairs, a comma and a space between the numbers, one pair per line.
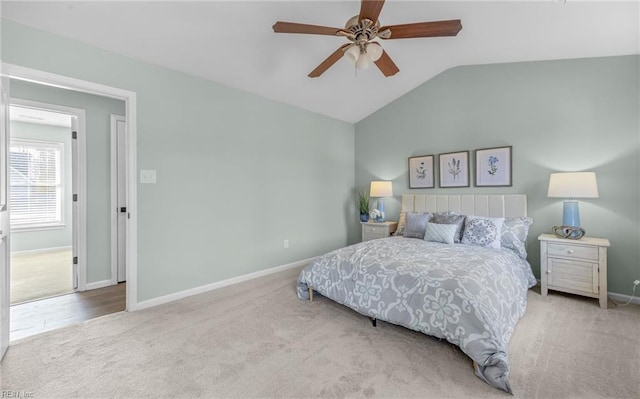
364, 204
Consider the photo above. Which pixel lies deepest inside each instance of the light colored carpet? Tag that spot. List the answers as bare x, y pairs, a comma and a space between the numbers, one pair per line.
256, 339
41, 275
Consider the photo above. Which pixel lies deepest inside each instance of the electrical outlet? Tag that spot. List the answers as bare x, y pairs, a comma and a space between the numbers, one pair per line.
636, 282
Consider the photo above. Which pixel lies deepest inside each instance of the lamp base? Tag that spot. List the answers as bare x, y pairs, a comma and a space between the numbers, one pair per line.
381, 209
571, 220
571, 213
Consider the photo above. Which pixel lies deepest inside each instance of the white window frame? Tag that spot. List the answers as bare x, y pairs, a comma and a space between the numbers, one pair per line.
58, 145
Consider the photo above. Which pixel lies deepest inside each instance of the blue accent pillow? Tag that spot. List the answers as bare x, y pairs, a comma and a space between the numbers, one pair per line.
451, 218
416, 225
443, 233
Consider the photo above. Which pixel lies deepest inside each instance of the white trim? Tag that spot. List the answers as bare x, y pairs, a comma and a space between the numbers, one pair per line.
219, 284
51, 79
98, 284
614, 296
79, 184
114, 195
40, 250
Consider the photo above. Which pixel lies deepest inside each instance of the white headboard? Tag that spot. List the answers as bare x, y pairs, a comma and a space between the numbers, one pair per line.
499, 206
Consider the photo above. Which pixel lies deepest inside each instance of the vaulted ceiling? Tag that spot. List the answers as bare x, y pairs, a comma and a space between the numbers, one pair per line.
233, 43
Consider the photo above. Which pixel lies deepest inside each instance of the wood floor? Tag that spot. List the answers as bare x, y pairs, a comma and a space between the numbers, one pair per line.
47, 314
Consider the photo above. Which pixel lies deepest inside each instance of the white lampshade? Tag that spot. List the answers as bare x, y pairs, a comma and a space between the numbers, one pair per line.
363, 61
573, 185
374, 50
352, 54
381, 189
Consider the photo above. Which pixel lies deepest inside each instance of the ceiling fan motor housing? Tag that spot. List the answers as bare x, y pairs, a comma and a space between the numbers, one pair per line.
362, 31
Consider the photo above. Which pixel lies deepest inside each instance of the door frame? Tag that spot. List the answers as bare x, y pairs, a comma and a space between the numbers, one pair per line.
129, 97
115, 213
79, 183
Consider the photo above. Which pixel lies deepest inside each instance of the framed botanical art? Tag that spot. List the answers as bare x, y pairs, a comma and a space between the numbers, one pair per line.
454, 169
493, 167
421, 173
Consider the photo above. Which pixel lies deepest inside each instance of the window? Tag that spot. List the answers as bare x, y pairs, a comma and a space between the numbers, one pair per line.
36, 183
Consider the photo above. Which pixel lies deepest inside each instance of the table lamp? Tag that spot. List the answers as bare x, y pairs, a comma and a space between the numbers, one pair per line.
572, 185
380, 190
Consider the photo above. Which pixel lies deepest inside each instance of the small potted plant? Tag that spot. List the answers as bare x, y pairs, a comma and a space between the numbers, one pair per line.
364, 204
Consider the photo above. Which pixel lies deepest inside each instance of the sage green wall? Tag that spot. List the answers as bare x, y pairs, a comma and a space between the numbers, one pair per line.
29, 240
98, 131
237, 174
573, 115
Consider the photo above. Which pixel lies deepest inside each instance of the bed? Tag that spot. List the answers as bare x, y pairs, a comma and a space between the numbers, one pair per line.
469, 294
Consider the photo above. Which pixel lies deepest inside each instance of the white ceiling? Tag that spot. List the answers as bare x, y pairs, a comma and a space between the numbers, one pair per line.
233, 43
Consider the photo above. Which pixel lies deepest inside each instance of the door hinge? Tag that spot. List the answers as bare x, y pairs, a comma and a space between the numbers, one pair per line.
74, 135
75, 197
75, 260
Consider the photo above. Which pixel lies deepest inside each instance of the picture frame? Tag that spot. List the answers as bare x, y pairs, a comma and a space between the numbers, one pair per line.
421, 172
454, 169
494, 167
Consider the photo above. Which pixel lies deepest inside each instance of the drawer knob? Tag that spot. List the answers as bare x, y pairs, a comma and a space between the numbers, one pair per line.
548, 271
570, 251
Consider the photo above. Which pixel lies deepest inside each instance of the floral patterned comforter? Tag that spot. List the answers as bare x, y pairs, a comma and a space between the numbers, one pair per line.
471, 296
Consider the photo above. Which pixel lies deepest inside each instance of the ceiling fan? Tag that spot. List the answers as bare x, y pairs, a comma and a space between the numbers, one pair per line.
361, 29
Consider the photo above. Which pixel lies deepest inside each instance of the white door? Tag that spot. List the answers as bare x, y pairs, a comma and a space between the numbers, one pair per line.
4, 216
119, 184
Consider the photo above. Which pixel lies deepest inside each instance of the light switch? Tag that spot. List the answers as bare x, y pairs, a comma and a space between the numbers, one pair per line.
147, 176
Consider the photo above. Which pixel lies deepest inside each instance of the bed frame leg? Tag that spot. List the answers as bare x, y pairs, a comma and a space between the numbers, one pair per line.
310, 294
373, 321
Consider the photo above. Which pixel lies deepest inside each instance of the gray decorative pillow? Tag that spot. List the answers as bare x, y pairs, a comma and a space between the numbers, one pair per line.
443, 233
416, 225
402, 222
451, 218
482, 231
514, 235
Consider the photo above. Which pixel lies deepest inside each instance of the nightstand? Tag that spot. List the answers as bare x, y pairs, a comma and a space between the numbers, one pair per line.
574, 266
373, 230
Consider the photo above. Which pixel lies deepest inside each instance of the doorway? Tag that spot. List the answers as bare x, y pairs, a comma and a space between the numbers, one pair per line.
43, 197
55, 80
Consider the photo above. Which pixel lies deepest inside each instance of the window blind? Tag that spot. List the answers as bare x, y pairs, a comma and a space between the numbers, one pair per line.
35, 182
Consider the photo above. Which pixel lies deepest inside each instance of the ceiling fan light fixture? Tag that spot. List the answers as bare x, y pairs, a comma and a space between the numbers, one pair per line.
352, 54
374, 51
363, 61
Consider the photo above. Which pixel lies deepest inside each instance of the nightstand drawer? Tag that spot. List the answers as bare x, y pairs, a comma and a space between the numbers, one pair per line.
573, 251
375, 230
572, 275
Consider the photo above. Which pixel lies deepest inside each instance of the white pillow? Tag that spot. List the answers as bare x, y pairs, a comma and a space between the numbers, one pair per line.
444, 233
483, 231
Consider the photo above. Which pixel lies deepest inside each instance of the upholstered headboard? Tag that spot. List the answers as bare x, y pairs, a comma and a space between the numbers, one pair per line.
501, 205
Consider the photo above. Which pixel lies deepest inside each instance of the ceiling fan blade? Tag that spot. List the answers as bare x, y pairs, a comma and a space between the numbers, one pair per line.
386, 65
370, 9
292, 27
328, 63
422, 29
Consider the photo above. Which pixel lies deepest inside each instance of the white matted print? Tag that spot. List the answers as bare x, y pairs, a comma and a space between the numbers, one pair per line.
421, 174
454, 169
493, 167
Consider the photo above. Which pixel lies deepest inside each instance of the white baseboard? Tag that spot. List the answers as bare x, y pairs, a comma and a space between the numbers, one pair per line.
624, 298
40, 250
214, 286
98, 284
